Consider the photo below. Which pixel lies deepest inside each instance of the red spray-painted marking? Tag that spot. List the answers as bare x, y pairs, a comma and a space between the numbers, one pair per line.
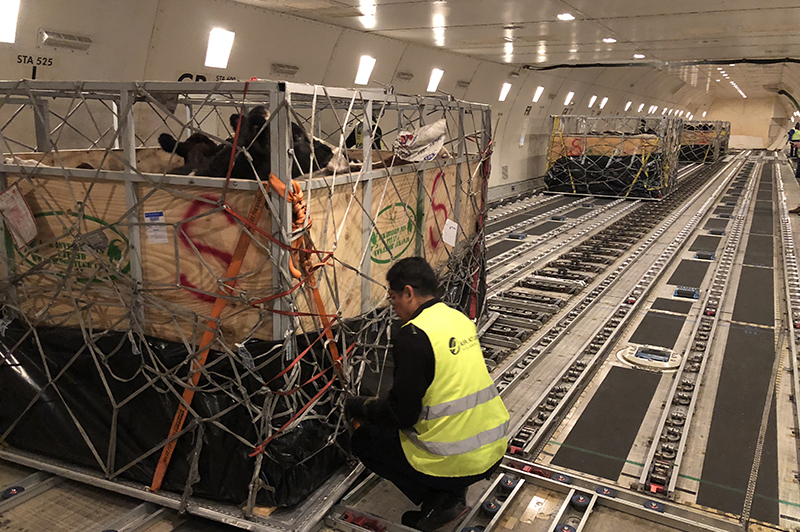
186, 240
436, 207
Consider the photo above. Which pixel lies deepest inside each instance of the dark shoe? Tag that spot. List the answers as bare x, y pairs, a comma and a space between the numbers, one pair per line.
411, 518
796, 210
442, 510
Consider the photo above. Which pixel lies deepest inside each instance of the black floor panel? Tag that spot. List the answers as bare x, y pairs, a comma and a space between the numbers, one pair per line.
765, 502
755, 297
759, 251
501, 247
518, 218
577, 213
600, 441
689, 273
762, 223
764, 195
672, 305
716, 223
658, 329
746, 370
544, 228
705, 243
723, 210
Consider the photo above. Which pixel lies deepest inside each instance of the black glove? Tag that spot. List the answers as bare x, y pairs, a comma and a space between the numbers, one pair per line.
356, 407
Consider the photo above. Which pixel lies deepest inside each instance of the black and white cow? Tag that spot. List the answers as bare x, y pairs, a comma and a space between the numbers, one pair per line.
204, 157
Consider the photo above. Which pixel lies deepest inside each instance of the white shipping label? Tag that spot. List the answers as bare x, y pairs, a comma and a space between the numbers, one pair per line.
18, 216
156, 230
450, 232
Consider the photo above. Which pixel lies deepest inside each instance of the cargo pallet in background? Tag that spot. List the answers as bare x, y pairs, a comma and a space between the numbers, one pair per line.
704, 141
613, 156
105, 310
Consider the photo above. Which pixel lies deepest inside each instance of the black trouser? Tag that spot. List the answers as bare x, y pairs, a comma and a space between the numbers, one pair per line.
378, 448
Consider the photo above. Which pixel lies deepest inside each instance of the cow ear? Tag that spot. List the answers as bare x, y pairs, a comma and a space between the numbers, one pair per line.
234, 119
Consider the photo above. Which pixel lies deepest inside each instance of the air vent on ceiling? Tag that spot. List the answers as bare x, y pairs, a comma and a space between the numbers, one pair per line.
462, 84
64, 40
404, 76
284, 69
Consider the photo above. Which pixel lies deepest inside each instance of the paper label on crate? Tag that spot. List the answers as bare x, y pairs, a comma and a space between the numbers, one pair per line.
449, 232
156, 230
18, 216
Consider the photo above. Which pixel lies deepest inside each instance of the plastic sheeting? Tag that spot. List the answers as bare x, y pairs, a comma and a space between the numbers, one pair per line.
56, 399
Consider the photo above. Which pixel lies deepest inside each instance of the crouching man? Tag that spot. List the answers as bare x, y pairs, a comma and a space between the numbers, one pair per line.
443, 425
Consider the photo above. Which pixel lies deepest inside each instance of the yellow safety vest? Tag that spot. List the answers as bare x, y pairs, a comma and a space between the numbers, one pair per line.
795, 135
462, 428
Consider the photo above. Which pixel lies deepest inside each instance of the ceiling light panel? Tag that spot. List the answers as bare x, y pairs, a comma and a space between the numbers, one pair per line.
504, 92
9, 13
365, 66
220, 43
436, 77
538, 94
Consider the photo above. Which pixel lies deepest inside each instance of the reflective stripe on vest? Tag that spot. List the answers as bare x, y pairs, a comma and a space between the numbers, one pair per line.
460, 447
796, 135
456, 406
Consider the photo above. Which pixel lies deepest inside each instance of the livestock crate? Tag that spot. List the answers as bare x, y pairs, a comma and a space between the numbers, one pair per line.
704, 141
133, 279
613, 156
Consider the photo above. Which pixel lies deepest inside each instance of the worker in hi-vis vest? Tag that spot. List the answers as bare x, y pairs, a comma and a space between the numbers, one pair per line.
794, 140
443, 425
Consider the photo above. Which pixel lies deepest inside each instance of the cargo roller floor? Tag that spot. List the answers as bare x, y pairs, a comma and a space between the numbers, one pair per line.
501, 247
689, 273
735, 425
527, 215
658, 329
601, 439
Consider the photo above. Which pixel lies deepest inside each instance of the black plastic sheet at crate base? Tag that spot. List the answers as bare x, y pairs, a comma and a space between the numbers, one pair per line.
623, 176
294, 465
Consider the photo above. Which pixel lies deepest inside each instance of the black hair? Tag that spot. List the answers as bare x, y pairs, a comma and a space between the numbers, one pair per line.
414, 272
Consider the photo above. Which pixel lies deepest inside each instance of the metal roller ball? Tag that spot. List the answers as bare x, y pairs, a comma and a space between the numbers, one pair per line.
607, 492
565, 528
473, 529
579, 502
10, 492
655, 506
559, 477
508, 483
490, 507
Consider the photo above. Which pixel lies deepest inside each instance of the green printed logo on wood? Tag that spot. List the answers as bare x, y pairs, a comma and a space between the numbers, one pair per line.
396, 226
60, 252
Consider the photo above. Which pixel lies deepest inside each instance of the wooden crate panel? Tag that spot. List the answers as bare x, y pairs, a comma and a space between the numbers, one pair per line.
702, 138
395, 212
336, 226
148, 160
181, 265
616, 146
439, 206
67, 281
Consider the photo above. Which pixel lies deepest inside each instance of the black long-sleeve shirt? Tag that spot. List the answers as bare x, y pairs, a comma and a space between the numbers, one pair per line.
414, 366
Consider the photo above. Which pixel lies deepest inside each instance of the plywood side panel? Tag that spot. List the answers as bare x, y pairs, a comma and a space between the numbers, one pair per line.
336, 226
67, 278
611, 145
395, 212
148, 160
184, 261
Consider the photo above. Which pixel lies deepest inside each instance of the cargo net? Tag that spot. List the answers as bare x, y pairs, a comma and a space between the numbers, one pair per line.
613, 156
186, 308
703, 141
